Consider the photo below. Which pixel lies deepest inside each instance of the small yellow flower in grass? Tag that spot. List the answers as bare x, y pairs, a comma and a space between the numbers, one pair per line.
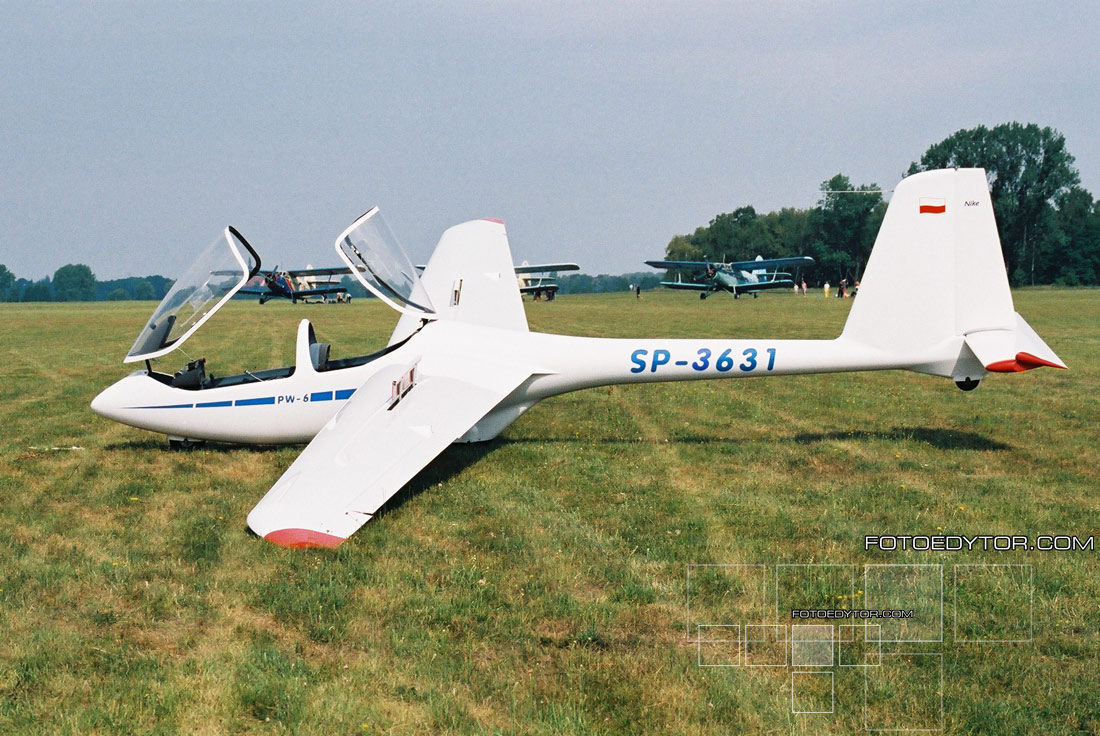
134, 498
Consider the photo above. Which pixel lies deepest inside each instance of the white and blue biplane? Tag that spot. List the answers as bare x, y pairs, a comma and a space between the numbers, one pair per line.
736, 277
461, 364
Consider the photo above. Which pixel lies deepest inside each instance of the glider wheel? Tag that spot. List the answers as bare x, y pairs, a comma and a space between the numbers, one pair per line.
184, 445
968, 384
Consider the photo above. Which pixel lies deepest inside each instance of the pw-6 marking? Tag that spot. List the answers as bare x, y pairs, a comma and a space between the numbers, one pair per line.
461, 364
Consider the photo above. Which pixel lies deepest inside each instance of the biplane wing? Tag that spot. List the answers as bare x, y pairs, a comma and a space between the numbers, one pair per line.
298, 293
686, 285
546, 267
388, 431
771, 263
309, 272
686, 265
761, 263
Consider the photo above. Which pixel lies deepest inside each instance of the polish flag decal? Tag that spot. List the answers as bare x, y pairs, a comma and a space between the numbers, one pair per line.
932, 206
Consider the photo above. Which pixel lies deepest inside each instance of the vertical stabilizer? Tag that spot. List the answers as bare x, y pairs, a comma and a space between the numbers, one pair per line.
936, 284
936, 270
470, 278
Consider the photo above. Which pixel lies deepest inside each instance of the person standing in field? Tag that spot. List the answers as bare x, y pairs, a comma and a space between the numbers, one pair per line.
826, 289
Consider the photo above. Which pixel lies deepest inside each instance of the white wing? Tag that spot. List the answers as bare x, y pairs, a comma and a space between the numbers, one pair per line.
368, 451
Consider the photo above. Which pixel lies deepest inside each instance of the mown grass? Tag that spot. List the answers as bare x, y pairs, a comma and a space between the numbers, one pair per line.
537, 584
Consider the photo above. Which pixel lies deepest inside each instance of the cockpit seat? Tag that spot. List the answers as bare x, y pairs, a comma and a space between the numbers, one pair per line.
308, 350
318, 354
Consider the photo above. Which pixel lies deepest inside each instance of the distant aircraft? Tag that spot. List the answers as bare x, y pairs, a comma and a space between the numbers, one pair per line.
461, 364
298, 285
737, 277
542, 283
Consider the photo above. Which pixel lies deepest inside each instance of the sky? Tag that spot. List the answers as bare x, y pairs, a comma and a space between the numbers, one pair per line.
131, 133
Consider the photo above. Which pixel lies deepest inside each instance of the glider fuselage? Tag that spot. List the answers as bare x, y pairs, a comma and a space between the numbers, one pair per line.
292, 405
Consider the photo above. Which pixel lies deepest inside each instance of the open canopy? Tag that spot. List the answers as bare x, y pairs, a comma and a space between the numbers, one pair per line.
376, 259
213, 278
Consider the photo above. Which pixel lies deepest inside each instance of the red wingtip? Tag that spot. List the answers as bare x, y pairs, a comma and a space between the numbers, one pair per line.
302, 538
493, 219
1023, 362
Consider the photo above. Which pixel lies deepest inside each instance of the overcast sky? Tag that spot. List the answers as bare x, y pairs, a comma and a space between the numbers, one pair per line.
131, 133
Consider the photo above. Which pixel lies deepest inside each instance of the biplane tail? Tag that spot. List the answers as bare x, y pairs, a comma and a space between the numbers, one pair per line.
935, 286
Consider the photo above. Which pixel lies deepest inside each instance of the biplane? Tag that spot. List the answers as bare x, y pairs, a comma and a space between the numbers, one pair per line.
736, 277
540, 278
297, 285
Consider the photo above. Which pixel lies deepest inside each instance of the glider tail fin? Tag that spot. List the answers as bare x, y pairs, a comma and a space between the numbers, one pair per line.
935, 285
470, 278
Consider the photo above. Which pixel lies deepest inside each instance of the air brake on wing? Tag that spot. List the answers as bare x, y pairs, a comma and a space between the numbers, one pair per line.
403, 385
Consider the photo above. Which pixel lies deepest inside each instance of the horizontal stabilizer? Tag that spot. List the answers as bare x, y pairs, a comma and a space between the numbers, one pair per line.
1012, 351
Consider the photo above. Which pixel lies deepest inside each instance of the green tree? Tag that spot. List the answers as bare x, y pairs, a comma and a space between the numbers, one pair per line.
1078, 261
7, 284
74, 283
119, 295
1029, 172
143, 291
39, 291
845, 224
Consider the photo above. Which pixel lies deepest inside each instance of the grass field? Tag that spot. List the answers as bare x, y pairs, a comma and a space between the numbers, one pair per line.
555, 580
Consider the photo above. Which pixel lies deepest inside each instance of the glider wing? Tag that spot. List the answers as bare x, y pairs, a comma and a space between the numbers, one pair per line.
395, 424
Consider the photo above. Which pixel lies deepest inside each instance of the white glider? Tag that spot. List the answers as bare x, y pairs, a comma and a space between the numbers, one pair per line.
461, 364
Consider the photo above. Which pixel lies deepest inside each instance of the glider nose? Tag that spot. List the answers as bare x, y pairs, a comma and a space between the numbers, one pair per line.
110, 402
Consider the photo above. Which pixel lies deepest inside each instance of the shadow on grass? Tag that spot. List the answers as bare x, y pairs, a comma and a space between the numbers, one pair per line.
942, 439
448, 464
161, 445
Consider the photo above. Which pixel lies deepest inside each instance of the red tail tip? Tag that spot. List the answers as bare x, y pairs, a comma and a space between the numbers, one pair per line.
1023, 362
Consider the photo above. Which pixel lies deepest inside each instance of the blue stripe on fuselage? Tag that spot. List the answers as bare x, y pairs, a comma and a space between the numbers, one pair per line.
340, 395
255, 402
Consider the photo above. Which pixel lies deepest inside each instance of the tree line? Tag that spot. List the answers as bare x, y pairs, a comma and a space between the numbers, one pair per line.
1049, 225
75, 282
